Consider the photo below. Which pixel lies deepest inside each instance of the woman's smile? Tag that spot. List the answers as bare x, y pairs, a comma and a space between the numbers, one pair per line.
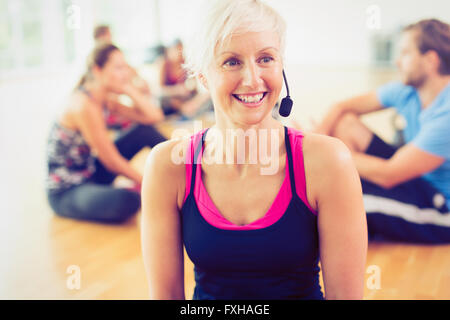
245, 78
251, 100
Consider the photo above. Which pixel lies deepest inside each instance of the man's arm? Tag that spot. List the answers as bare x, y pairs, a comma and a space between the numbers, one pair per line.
407, 163
358, 105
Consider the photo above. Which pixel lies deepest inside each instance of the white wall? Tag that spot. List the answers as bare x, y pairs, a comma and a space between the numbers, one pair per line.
320, 32
328, 35
324, 32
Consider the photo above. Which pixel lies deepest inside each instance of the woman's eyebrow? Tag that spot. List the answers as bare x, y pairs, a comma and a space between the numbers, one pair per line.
237, 54
229, 52
267, 48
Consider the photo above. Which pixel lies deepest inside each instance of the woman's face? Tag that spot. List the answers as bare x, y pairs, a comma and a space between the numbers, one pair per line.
115, 73
175, 53
245, 77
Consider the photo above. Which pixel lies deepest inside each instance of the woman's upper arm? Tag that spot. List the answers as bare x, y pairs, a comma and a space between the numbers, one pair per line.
162, 73
92, 126
342, 222
161, 240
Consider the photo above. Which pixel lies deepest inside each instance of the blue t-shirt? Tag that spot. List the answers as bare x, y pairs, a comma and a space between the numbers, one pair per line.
428, 129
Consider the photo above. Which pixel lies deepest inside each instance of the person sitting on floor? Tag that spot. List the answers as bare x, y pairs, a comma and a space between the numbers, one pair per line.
179, 93
82, 159
102, 34
251, 233
406, 189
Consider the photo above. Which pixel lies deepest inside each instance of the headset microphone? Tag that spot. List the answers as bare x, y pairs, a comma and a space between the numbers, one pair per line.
286, 102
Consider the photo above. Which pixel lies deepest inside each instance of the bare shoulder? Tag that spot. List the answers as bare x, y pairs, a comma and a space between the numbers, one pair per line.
325, 153
76, 107
169, 155
78, 102
81, 108
165, 165
328, 163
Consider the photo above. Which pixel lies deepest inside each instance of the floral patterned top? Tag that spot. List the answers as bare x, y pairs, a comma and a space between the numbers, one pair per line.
69, 158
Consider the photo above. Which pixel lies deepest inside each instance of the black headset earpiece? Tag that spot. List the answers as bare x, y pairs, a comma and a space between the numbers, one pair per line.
286, 102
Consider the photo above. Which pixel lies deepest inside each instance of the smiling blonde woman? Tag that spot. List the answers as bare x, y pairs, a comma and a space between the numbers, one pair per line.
251, 235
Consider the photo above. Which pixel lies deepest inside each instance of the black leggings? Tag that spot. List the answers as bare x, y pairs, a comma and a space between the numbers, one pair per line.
96, 199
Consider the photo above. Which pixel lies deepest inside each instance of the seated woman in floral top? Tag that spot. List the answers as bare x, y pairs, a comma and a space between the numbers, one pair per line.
82, 158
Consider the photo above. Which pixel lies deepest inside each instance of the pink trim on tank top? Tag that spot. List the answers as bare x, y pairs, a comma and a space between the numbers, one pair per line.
212, 215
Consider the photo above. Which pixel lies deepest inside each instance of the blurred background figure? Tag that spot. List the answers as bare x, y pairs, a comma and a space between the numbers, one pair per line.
83, 161
102, 33
408, 185
180, 93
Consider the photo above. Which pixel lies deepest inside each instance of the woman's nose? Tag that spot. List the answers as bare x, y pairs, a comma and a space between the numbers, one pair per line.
251, 76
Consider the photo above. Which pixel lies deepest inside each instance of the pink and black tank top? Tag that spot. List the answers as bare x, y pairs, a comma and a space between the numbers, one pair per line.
274, 257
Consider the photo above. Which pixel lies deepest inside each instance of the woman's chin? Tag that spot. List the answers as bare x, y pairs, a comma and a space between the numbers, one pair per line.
252, 118
114, 89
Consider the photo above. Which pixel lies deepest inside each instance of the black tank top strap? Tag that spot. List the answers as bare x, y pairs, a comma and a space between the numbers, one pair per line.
194, 161
288, 151
290, 160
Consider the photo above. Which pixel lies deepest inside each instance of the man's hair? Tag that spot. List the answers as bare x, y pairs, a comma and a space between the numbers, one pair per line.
100, 30
433, 34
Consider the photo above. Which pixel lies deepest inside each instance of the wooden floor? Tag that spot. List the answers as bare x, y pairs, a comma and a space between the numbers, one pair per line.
110, 263
38, 248
111, 267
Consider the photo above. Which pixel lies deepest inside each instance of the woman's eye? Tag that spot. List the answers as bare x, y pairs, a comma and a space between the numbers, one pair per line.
266, 59
231, 63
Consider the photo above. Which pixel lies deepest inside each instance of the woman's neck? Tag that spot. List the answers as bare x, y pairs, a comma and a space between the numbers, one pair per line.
242, 145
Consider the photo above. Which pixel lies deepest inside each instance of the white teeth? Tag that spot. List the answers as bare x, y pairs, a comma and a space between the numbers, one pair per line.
250, 98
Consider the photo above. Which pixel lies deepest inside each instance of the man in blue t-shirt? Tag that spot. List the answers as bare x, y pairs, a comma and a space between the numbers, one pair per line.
406, 189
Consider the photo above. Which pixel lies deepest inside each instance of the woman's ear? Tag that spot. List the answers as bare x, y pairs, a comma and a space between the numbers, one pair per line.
95, 72
203, 81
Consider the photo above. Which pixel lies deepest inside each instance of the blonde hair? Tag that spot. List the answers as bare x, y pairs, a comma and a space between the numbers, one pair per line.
224, 18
